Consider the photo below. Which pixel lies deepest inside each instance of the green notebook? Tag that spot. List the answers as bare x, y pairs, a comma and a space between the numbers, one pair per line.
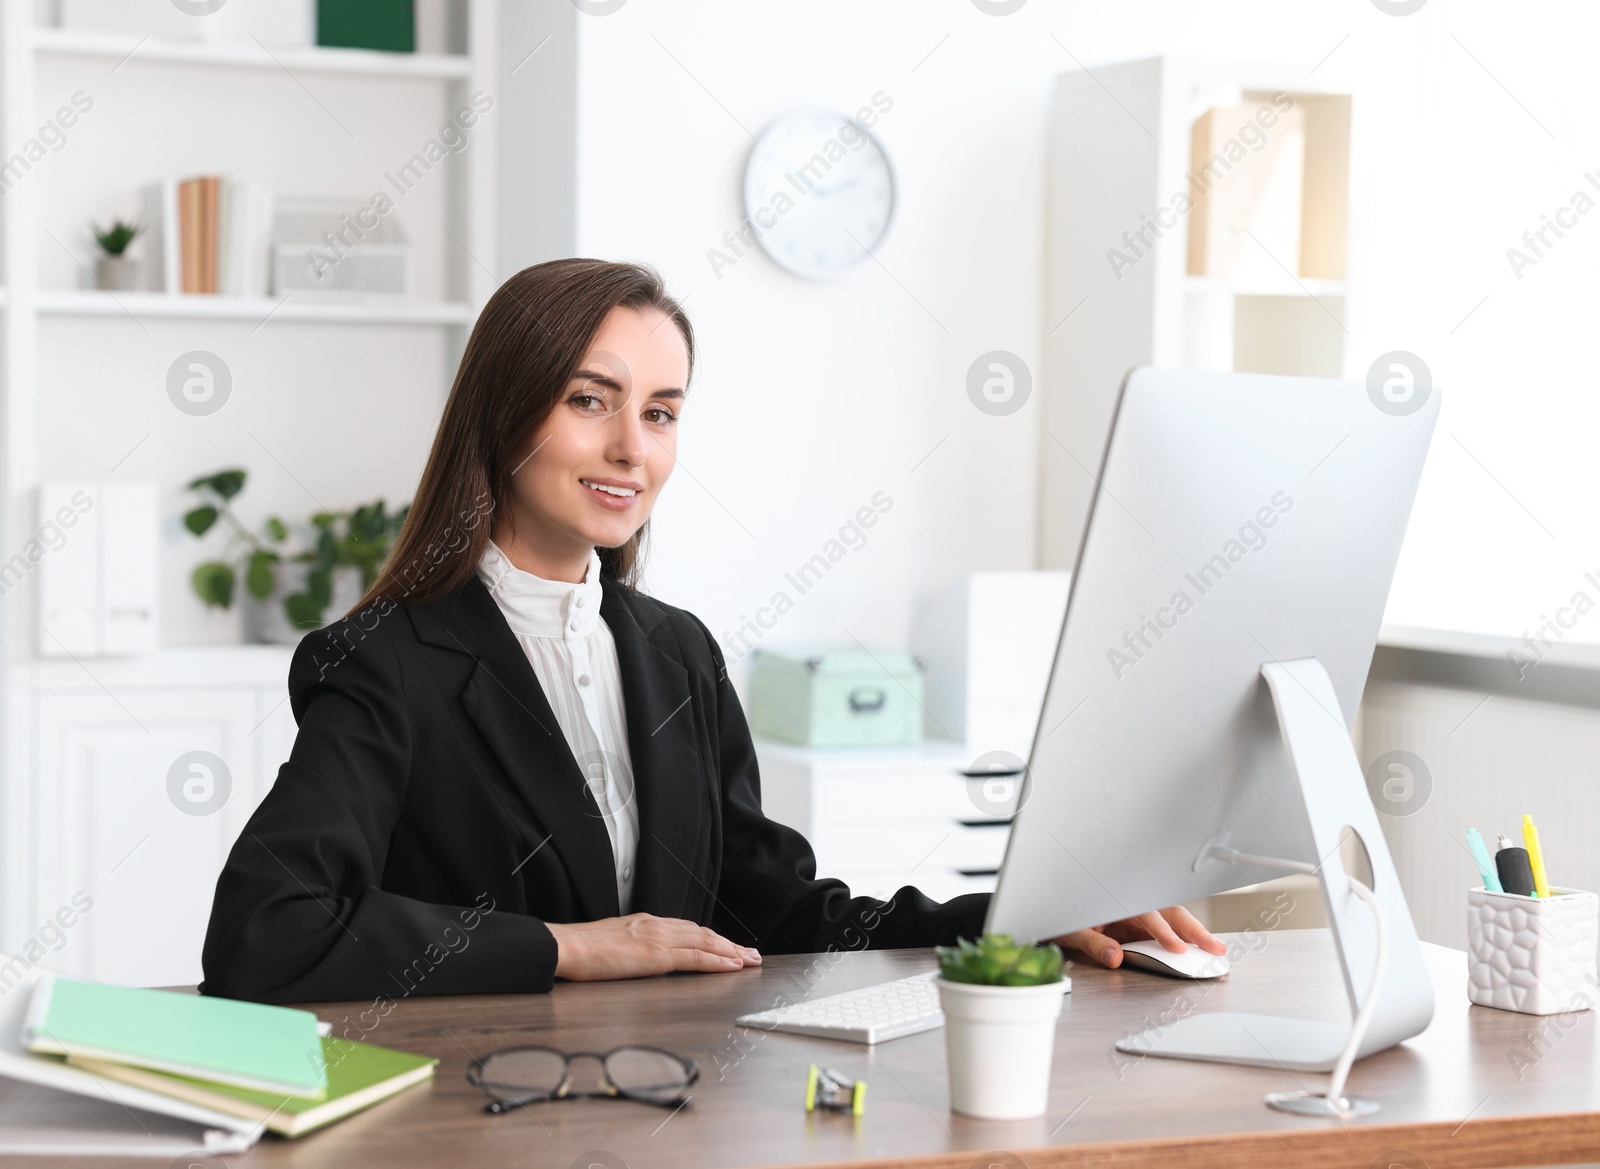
249, 1045
359, 1074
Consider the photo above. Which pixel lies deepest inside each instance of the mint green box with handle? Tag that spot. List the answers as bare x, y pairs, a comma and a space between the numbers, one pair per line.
837, 696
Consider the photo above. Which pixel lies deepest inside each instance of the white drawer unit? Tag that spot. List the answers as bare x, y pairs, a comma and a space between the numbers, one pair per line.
879, 818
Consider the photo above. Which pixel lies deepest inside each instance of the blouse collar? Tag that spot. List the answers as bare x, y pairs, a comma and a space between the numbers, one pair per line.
538, 607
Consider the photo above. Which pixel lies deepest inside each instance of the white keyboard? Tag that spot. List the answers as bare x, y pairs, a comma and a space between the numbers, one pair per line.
869, 1015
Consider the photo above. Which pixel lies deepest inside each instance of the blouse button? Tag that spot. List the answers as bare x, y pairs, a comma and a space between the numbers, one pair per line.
581, 601
573, 627
627, 871
583, 679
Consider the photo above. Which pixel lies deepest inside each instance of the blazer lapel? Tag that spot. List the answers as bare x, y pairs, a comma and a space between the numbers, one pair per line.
505, 702
669, 779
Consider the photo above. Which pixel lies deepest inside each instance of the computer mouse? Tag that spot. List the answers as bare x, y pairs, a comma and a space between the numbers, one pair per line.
1194, 962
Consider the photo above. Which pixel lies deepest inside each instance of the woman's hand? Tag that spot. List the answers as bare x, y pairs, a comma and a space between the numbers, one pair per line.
1171, 927
642, 944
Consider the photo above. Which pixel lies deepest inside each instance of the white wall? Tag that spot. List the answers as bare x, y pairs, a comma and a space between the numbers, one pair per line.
811, 397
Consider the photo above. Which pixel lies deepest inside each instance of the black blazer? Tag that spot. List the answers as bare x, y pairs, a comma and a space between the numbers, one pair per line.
431, 817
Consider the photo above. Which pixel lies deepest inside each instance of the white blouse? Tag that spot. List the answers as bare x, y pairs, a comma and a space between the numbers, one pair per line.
571, 649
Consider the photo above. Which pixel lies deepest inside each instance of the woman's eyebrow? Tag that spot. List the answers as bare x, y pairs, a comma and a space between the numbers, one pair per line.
604, 379
608, 382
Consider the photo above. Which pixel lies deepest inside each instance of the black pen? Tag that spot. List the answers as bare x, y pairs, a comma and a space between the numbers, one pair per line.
1516, 874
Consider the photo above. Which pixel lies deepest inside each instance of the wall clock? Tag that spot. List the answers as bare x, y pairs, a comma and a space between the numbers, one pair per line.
818, 193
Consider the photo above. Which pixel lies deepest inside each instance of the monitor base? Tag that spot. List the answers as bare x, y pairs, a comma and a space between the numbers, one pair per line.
1266, 1041
1305, 1104
1336, 800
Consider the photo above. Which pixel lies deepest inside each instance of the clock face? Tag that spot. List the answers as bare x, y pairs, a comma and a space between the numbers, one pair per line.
818, 192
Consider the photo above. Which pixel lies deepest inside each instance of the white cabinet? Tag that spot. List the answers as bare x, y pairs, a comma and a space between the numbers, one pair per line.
138, 777
882, 817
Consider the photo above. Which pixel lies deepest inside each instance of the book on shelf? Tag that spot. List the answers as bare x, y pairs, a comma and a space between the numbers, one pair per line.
1247, 202
208, 234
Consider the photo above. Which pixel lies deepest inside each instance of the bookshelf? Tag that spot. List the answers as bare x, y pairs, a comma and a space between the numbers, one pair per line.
334, 405
58, 42
247, 308
1125, 142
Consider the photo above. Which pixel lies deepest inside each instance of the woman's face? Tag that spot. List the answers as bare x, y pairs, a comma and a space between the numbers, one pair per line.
614, 425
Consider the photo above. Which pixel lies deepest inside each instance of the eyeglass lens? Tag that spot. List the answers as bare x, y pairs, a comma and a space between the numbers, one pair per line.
645, 1072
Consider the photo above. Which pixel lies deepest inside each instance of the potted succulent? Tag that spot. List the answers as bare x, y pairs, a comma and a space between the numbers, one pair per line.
1001, 1001
115, 271
290, 593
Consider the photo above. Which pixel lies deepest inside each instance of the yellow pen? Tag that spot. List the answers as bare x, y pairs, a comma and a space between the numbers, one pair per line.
1530, 838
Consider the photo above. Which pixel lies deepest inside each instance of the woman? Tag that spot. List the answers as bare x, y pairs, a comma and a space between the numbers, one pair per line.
513, 767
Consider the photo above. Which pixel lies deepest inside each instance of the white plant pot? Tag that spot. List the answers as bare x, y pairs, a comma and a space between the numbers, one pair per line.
998, 1044
266, 622
117, 273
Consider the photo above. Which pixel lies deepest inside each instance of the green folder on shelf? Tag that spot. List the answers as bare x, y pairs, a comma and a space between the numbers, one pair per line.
389, 25
249, 1045
359, 1074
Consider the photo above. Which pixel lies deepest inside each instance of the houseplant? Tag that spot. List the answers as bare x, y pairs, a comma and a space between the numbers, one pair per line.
290, 592
115, 271
1001, 1001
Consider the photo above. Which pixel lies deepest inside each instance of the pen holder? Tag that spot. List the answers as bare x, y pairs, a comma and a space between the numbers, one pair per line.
1535, 955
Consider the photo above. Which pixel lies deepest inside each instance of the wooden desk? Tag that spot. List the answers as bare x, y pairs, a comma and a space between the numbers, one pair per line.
1452, 1097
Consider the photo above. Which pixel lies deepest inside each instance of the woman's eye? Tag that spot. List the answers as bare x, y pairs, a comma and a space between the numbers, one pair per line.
581, 398
662, 416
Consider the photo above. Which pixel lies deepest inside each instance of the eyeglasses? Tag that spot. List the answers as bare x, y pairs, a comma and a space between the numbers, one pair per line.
527, 1075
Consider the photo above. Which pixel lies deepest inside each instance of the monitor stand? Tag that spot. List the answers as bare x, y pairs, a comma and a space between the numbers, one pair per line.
1335, 795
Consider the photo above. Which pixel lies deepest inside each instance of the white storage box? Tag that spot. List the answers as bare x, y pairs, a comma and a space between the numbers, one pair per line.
339, 251
1532, 954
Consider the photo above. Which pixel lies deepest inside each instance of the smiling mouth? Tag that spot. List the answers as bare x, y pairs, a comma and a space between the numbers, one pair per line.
619, 492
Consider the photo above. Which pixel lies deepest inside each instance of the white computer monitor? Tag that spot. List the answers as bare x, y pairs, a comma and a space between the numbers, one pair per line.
1228, 593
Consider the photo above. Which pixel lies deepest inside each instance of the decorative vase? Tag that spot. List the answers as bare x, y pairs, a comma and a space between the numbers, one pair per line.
266, 622
117, 273
998, 1044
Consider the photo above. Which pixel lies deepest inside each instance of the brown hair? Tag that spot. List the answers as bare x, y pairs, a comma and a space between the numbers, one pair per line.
527, 344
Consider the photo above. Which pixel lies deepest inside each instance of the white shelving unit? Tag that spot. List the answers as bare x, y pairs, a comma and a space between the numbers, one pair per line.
59, 42
96, 303
347, 392
1122, 148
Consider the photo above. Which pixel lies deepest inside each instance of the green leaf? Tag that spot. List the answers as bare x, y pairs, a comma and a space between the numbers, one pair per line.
259, 577
228, 483
199, 520
327, 548
303, 612
277, 529
117, 237
319, 587
213, 583
997, 960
